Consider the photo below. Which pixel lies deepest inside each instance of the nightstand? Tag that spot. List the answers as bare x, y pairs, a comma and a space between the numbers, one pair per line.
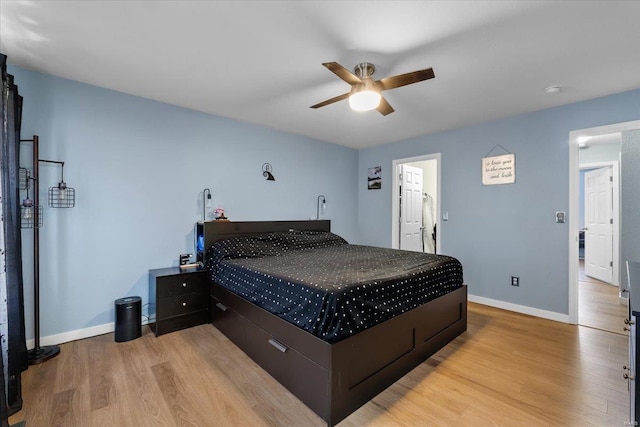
177, 299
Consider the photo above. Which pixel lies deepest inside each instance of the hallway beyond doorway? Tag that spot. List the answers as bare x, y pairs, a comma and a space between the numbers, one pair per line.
600, 306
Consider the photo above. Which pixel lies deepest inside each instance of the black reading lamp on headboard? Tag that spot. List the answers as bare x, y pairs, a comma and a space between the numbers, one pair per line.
31, 216
323, 200
206, 202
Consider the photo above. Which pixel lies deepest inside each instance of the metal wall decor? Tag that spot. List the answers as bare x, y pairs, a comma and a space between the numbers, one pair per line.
266, 172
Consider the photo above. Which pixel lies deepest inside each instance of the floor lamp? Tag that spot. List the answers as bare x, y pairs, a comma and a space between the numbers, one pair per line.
32, 217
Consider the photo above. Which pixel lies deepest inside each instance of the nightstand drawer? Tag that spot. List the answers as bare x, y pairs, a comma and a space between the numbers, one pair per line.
177, 299
182, 284
181, 304
180, 322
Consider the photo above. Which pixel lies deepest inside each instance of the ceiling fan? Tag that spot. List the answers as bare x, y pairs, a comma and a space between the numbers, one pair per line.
365, 93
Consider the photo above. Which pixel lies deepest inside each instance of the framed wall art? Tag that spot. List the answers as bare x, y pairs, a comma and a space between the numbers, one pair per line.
374, 178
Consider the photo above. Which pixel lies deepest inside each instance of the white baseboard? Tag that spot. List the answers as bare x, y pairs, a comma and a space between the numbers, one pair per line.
75, 335
551, 315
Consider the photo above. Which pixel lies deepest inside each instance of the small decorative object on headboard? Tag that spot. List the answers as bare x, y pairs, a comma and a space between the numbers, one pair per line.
219, 214
266, 172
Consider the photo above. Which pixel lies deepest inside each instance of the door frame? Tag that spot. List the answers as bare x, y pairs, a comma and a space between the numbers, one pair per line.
574, 187
615, 171
395, 197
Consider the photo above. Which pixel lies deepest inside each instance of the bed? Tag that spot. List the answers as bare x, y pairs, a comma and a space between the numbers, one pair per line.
333, 366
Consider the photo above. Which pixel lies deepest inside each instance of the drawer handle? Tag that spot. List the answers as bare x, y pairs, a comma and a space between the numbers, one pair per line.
184, 284
278, 345
184, 304
221, 306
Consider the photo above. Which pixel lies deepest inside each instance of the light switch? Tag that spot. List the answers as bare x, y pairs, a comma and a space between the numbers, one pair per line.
561, 217
445, 216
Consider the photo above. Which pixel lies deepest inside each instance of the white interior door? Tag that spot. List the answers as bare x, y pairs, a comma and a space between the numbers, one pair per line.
411, 208
598, 221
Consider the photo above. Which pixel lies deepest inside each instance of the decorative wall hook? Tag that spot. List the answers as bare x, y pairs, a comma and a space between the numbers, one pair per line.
266, 172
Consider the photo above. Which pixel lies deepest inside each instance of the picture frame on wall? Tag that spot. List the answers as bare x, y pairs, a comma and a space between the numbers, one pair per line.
498, 170
374, 178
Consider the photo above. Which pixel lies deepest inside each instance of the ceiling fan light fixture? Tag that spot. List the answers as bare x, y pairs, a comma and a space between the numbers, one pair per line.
365, 100
365, 96
365, 93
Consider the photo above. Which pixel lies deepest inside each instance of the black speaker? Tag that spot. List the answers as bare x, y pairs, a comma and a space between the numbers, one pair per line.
128, 319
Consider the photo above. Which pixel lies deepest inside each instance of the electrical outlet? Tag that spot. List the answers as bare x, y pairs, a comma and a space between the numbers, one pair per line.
515, 281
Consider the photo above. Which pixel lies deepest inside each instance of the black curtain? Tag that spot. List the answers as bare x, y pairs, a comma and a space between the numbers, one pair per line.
15, 341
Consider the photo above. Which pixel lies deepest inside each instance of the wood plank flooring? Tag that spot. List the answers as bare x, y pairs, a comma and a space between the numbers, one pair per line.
600, 306
508, 369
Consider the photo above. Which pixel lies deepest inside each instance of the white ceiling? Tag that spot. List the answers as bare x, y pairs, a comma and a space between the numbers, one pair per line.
260, 61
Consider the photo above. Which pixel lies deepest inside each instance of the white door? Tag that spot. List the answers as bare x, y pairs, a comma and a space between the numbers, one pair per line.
411, 208
598, 221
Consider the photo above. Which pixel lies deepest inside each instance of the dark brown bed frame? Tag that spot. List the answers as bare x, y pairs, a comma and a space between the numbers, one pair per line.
332, 379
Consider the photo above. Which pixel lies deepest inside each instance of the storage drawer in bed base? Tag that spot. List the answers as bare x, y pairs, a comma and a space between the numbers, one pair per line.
275, 356
339, 378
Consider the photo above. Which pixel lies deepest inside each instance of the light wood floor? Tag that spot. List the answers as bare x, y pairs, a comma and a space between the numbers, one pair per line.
508, 369
600, 304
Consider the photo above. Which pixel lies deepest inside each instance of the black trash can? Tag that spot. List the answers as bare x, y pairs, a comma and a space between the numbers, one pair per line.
128, 319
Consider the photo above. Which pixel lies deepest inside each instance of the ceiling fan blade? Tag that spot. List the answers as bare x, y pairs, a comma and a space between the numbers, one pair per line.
331, 101
343, 73
405, 79
385, 108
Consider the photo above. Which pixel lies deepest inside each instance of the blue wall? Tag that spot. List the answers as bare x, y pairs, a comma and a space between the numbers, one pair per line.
503, 230
138, 168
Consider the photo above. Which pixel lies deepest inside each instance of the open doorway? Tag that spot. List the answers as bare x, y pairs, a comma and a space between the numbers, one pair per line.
599, 305
595, 223
416, 203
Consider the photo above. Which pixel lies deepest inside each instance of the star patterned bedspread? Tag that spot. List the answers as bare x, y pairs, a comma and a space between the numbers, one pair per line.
322, 284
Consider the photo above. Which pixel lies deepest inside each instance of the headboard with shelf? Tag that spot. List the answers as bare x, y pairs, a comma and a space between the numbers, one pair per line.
213, 231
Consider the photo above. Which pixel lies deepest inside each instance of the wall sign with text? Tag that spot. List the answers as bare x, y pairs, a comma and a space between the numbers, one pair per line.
499, 169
